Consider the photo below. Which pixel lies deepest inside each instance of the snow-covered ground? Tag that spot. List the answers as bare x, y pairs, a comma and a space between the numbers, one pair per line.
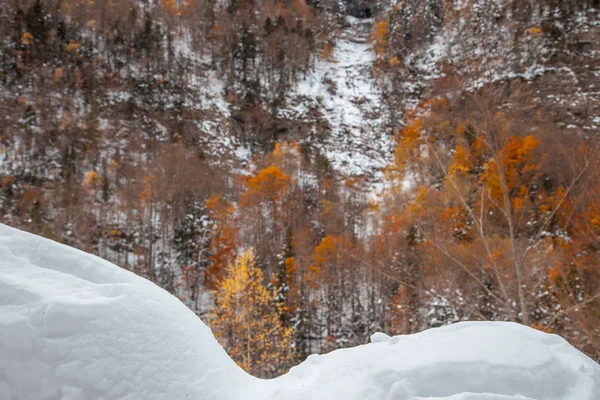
464, 361
73, 326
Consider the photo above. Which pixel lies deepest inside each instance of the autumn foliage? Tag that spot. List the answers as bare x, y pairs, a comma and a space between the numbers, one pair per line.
177, 7
246, 320
170, 136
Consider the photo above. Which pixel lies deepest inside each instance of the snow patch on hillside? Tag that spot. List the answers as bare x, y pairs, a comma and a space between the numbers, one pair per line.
343, 90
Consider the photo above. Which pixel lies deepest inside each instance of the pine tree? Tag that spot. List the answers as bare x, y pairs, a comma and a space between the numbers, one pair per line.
190, 238
190, 242
284, 280
35, 20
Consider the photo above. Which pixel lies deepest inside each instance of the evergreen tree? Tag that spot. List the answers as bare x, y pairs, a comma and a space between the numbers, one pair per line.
284, 280
190, 242
190, 238
35, 20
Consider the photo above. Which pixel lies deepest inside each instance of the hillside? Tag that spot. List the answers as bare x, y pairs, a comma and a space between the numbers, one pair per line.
378, 166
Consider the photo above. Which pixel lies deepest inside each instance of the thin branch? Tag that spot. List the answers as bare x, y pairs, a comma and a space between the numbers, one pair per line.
568, 310
468, 271
558, 206
479, 228
378, 270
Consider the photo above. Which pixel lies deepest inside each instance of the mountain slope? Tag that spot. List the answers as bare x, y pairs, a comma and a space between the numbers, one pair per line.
343, 90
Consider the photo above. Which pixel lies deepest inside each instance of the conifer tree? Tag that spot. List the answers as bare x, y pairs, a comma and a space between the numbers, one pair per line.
190, 242
283, 284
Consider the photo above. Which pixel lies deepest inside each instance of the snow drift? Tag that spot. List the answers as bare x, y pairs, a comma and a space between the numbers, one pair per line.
73, 326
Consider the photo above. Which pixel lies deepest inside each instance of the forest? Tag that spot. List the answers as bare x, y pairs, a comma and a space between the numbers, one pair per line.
304, 173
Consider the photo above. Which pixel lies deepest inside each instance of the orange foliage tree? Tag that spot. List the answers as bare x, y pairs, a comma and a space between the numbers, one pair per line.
177, 7
490, 216
380, 37
223, 243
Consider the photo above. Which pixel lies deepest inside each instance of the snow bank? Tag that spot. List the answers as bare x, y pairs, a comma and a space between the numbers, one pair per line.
73, 326
465, 361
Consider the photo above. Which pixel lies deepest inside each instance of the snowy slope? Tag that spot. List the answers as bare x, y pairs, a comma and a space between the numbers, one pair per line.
345, 92
73, 326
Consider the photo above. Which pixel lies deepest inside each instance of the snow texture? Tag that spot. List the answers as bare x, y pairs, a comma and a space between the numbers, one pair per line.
73, 326
344, 90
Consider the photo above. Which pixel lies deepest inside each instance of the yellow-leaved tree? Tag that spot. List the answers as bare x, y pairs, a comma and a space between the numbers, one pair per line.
246, 320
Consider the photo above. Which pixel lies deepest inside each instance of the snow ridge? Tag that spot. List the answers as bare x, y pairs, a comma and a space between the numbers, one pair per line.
73, 326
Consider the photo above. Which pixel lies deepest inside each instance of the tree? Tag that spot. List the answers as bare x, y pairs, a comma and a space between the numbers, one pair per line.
177, 7
263, 207
493, 209
223, 240
190, 242
246, 320
380, 34
35, 20
269, 185
283, 282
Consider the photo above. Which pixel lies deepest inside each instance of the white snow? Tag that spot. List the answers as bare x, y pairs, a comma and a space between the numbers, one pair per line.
344, 90
73, 326
474, 360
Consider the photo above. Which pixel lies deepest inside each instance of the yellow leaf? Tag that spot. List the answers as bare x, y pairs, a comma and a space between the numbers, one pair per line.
73, 47
91, 177
27, 39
